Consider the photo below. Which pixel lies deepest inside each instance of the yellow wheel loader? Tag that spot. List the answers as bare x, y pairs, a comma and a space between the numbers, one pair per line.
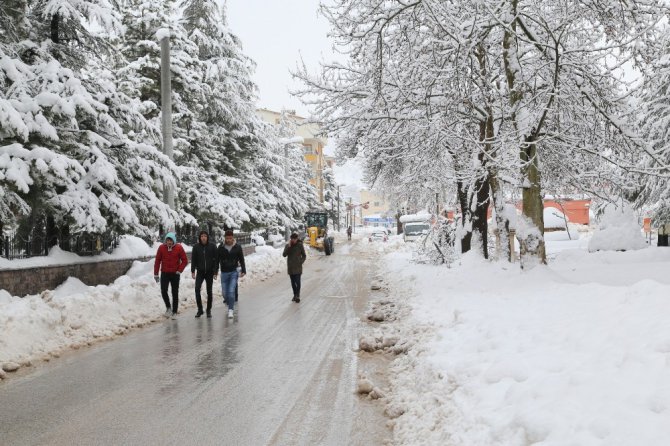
316, 223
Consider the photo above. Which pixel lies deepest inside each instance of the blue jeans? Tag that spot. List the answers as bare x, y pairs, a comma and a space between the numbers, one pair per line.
228, 284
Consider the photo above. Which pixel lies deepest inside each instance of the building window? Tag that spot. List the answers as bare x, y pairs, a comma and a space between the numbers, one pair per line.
307, 148
376, 204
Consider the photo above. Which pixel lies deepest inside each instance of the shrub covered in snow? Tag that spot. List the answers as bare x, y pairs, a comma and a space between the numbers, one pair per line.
618, 231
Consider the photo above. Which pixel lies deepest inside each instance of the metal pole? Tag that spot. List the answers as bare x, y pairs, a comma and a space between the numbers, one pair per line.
338, 208
166, 111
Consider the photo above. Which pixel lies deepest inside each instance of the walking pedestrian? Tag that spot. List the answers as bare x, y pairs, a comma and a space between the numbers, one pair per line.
204, 267
230, 256
349, 233
171, 260
294, 251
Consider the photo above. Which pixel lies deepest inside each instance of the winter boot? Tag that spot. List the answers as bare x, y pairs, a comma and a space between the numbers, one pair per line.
230, 314
209, 313
199, 313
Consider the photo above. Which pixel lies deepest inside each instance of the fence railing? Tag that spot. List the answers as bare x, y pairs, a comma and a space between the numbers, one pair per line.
14, 246
190, 236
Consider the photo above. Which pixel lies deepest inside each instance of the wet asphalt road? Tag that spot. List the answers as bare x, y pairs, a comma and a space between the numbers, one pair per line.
279, 373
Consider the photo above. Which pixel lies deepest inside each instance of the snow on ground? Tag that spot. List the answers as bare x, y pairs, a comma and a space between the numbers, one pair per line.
41, 326
575, 353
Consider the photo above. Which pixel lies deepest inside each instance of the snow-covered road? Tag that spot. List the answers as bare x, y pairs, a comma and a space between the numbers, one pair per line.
279, 373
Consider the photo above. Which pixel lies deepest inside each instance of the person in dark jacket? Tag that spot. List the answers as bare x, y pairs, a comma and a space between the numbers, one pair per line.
230, 256
204, 267
171, 260
294, 251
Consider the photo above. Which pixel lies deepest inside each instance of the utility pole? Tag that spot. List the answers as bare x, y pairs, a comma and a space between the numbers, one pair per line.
338, 208
286, 142
166, 107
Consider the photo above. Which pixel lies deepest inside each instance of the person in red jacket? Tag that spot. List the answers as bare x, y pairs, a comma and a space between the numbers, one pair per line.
171, 260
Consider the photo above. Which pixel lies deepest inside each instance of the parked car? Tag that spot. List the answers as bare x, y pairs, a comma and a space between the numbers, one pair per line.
378, 236
415, 230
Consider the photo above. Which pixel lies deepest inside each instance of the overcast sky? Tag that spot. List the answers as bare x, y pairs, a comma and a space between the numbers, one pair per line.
275, 33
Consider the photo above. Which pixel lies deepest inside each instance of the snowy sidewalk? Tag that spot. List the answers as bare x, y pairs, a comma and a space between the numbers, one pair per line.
39, 327
576, 353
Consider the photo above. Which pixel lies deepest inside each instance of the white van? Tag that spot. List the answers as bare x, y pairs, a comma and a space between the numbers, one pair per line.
414, 230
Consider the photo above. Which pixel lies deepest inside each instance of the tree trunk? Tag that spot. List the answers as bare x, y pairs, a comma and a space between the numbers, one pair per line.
480, 225
532, 247
51, 232
397, 219
466, 218
38, 238
502, 223
532, 242
64, 241
481, 194
54, 28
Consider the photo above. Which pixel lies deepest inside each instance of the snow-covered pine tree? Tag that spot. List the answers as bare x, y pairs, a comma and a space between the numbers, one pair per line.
330, 194
221, 160
78, 166
139, 78
247, 185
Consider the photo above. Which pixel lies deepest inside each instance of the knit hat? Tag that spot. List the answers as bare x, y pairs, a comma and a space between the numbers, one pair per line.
171, 235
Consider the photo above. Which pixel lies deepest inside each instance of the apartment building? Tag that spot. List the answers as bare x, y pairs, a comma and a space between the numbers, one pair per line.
377, 213
313, 144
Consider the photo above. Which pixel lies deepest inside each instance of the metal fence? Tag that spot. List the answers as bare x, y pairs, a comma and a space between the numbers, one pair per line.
14, 246
190, 236
37, 243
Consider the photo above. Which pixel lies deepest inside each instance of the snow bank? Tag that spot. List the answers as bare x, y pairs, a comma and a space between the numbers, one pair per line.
38, 327
552, 356
618, 231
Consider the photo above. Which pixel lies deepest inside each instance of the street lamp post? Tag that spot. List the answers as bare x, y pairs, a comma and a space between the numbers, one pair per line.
166, 106
286, 142
338, 207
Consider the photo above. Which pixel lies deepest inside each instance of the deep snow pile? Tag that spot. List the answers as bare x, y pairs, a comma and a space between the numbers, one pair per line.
574, 353
38, 327
618, 231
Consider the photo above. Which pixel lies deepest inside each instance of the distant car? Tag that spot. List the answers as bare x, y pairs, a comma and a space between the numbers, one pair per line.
378, 236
